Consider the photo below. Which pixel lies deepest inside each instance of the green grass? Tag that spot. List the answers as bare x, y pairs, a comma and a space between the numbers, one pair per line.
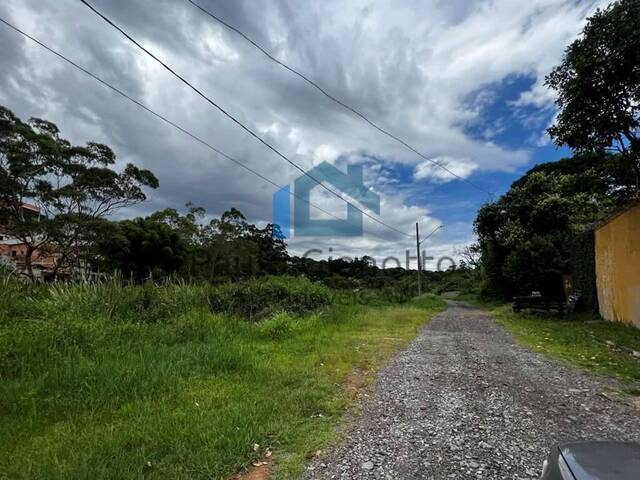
111, 382
579, 339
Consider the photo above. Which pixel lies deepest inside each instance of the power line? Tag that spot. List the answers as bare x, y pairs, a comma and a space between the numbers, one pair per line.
431, 234
235, 120
322, 90
164, 119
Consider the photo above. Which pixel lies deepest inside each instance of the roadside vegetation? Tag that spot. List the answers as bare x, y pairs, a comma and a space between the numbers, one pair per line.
542, 228
539, 236
175, 381
581, 339
201, 346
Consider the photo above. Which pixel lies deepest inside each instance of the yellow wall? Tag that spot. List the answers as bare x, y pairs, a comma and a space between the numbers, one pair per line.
618, 267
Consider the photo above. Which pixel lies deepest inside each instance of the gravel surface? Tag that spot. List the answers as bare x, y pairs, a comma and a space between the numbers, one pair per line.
464, 401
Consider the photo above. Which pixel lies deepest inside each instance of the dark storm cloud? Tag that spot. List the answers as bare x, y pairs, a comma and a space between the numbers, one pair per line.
408, 65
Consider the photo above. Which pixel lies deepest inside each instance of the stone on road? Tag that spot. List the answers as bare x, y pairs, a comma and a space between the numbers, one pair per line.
465, 402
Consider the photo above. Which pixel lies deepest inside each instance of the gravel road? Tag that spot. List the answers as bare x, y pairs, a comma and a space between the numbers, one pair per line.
465, 402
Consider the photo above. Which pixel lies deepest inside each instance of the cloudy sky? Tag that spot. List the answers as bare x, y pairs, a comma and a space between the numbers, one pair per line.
460, 80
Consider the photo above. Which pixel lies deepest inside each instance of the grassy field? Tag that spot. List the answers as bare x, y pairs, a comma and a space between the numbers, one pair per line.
580, 339
146, 382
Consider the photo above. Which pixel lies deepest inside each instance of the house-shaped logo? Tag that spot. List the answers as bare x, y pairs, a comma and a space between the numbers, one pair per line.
292, 204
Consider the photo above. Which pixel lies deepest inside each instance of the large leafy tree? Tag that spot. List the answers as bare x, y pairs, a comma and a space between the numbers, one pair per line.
598, 87
73, 187
142, 248
527, 237
225, 248
235, 248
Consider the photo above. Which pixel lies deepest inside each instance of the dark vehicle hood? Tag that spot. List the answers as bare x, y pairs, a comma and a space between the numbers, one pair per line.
602, 460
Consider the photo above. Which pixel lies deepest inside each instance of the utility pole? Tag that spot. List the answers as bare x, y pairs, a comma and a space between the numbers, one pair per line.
418, 242
419, 260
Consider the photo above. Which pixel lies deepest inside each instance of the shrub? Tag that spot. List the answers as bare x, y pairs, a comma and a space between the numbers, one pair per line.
256, 299
391, 292
279, 326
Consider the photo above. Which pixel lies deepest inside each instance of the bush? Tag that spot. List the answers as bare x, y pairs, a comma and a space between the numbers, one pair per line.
279, 326
391, 292
256, 299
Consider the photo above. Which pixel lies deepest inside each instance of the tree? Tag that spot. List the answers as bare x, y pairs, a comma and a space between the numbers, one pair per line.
471, 256
471, 261
228, 247
186, 225
142, 248
526, 238
598, 87
237, 249
72, 187
271, 255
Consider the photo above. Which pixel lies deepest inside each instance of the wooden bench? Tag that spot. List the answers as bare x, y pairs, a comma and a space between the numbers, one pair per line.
547, 304
538, 302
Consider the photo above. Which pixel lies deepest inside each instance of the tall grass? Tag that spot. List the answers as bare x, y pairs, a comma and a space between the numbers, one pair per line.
259, 298
103, 381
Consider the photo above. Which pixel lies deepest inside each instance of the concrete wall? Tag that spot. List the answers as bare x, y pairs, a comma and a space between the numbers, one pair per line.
618, 267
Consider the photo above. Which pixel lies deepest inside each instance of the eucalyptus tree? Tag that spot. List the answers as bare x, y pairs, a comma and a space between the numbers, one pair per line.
73, 188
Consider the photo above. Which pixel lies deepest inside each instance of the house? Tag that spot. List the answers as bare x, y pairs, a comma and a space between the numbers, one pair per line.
13, 252
617, 262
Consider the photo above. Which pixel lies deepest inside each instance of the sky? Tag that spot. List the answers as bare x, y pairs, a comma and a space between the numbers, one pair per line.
461, 81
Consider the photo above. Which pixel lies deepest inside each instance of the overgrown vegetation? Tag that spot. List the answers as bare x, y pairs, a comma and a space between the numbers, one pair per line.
112, 381
529, 236
580, 339
258, 298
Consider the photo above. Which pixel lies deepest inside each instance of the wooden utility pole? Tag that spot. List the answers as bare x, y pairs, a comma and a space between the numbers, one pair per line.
419, 260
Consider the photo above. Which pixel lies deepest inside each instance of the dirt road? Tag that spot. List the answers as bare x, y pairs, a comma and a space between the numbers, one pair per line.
465, 402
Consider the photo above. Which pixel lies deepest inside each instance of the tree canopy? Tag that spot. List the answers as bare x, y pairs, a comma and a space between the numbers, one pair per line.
598, 87
527, 237
73, 187
142, 248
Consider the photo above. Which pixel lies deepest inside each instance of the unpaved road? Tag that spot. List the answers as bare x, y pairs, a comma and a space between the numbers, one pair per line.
465, 402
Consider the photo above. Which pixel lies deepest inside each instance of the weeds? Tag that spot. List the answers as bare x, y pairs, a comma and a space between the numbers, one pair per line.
110, 381
600, 347
259, 298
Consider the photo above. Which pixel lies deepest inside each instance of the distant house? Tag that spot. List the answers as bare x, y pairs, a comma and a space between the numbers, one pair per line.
617, 262
13, 252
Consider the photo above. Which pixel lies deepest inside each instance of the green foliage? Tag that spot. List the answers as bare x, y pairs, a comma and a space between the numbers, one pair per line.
528, 236
598, 87
580, 340
583, 261
90, 390
389, 293
142, 248
463, 279
109, 300
532, 235
227, 248
279, 326
12, 289
258, 298
74, 187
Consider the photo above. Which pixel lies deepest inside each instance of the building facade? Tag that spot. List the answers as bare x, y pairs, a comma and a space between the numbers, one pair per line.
617, 252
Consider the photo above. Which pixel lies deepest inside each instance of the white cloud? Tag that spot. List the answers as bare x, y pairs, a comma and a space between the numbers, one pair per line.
462, 167
410, 66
